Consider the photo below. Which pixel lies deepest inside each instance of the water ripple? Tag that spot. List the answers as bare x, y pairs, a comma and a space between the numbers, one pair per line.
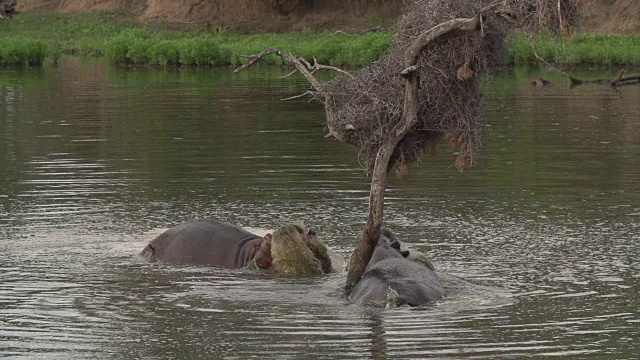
537, 248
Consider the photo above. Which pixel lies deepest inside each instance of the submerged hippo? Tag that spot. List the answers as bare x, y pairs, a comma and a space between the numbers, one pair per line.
210, 243
292, 250
393, 279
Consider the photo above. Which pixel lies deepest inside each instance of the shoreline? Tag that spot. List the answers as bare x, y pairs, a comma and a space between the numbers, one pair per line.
35, 38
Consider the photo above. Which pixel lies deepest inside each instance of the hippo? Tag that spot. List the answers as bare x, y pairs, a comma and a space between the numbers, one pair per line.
392, 278
211, 243
292, 250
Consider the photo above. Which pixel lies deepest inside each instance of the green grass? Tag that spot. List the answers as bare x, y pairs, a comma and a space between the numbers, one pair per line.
22, 52
333, 49
140, 46
29, 38
125, 42
579, 49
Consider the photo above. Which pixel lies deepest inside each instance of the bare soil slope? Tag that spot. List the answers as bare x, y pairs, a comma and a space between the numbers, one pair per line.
238, 15
610, 16
596, 16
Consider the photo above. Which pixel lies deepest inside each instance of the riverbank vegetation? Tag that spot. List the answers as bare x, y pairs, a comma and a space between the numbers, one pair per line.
594, 49
32, 38
106, 34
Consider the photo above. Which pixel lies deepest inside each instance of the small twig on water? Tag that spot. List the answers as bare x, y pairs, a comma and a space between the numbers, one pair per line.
298, 96
291, 73
617, 79
255, 58
551, 67
317, 66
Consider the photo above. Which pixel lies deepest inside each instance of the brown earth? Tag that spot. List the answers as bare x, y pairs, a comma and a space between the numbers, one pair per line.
238, 15
610, 16
595, 16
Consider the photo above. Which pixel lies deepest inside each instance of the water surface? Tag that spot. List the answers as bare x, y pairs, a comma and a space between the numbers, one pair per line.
538, 246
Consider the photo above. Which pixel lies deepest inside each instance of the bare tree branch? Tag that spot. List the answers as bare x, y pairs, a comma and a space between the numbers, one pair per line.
614, 81
560, 15
369, 238
552, 67
317, 67
303, 66
306, 93
291, 73
254, 59
413, 112
423, 90
300, 63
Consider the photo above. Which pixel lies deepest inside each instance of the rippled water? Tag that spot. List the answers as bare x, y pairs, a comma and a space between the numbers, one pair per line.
538, 246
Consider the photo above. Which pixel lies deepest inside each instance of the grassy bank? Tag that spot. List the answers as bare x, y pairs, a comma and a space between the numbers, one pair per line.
22, 51
122, 41
141, 46
31, 38
580, 49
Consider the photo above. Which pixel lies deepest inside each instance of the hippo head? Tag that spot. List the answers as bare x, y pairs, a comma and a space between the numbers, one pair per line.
262, 257
297, 251
388, 247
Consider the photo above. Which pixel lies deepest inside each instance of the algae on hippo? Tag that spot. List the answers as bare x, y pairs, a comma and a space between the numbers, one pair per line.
297, 251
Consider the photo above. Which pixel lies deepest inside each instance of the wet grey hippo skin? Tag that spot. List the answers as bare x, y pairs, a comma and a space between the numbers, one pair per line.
392, 279
210, 243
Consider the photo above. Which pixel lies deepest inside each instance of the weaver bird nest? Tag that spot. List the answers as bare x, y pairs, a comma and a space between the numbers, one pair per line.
368, 109
365, 108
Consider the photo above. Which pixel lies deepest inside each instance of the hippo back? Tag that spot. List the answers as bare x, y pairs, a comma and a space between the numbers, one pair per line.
204, 242
390, 274
415, 284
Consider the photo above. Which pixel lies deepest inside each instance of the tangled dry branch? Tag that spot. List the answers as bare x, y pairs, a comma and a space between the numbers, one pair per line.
365, 108
362, 110
425, 89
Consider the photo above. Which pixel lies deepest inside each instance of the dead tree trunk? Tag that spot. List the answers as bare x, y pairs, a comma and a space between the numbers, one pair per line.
384, 138
371, 234
615, 81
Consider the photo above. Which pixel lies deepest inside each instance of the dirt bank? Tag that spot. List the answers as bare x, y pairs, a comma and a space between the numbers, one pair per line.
238, 15
610, 16
596, 16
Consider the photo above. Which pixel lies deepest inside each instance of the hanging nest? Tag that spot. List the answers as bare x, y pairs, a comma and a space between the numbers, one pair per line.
362, 110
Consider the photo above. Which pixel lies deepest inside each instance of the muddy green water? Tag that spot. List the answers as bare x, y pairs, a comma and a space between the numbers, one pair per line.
97, 160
